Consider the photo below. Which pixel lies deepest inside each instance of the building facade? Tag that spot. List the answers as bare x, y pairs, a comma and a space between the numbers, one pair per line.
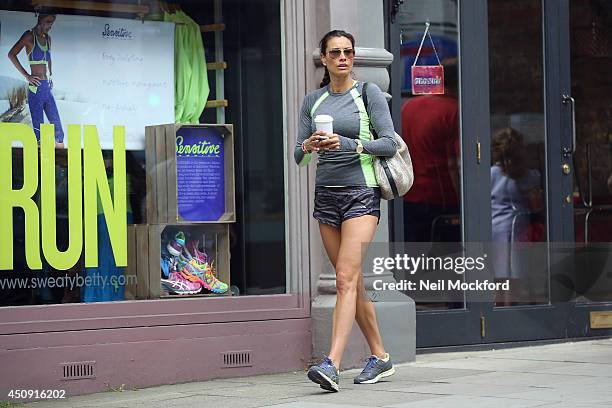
257, 236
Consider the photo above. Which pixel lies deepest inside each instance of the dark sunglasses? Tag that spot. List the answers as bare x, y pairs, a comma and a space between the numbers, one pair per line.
348, 53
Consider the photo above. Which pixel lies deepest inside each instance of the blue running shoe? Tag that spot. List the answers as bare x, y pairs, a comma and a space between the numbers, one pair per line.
374, 370
165, 262
325, 374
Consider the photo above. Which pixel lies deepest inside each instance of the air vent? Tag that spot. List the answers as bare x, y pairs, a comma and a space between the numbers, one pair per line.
233, 359
79, 370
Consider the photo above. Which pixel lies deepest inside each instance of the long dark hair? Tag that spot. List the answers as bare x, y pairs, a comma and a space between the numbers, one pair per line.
507, 151
323, 48
43, 14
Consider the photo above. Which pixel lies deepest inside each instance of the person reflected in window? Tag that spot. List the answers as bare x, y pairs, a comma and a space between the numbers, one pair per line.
37, 43
430, 128
107, 282
516, 200
347, 197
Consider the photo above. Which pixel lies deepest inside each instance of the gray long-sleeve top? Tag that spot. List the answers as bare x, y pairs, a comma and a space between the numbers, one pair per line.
345, 167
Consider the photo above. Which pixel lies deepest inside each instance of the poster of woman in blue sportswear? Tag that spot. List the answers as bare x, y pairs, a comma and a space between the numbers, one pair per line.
106, 71
37, 44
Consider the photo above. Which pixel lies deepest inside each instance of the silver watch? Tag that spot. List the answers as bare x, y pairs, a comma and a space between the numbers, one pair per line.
359, 148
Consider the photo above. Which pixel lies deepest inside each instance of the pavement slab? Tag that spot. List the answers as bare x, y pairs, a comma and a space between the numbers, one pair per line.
368, 397
476, 390
576, 375
464, 401
514, 380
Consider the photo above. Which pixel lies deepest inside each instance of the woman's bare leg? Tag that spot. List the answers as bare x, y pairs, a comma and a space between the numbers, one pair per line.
365, 312
366, 319
331, 241
354, 232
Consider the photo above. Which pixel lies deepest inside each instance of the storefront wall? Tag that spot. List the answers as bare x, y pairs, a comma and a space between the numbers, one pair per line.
137, 343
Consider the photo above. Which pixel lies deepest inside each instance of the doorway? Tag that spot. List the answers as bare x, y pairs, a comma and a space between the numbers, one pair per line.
534, 164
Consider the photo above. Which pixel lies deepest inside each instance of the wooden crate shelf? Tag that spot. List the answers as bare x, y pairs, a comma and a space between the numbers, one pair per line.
208, 28
217, 103
211, 66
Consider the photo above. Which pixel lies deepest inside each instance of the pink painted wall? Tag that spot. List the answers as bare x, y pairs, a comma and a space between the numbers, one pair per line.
146, 356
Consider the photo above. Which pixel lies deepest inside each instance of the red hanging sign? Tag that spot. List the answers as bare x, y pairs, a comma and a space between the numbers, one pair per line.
427, 79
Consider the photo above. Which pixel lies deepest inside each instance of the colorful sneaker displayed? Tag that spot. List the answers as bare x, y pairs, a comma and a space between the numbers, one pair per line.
176, 246
204, 275
178, 285
326, 375
375, 369
194, 252
187, 273
212, 283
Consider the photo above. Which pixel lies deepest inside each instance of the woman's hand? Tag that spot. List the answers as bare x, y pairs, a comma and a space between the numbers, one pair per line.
33, 80
332, 142
312, 143
320, 141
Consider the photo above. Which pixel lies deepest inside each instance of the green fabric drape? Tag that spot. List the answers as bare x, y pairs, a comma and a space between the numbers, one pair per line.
190, 78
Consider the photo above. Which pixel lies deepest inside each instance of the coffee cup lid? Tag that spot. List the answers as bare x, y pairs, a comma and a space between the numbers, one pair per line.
323, 118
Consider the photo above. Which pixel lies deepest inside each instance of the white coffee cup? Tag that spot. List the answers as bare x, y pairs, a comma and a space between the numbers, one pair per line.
324, 123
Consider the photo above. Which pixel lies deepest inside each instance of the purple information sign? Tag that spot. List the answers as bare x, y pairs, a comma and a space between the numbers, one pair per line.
200, 176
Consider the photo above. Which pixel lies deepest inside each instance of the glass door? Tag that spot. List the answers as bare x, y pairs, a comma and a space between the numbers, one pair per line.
438, 216
589, 35
528, 173
551, 167
535, 167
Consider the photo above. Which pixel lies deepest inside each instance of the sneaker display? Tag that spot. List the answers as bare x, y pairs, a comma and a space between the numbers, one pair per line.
175, 246
375, 369
326, 375
178, 285
213, 277
166, 264
194, 252
186, 272
191, 264
205, 276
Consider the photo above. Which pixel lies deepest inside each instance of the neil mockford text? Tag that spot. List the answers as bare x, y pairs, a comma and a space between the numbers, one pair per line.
441, 285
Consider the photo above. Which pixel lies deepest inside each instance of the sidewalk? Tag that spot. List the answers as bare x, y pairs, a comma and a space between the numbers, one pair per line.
577, 375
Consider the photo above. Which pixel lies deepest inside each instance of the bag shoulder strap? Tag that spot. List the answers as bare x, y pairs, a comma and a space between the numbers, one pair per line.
364, 98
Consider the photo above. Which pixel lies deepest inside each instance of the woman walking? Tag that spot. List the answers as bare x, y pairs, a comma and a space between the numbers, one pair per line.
347, 197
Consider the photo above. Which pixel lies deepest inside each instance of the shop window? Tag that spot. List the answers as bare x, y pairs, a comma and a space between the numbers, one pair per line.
121, 66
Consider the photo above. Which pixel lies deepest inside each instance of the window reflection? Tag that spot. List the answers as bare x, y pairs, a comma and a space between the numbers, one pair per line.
517, 150
430, 128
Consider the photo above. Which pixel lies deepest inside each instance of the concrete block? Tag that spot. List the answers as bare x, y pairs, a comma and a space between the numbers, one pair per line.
396, 314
